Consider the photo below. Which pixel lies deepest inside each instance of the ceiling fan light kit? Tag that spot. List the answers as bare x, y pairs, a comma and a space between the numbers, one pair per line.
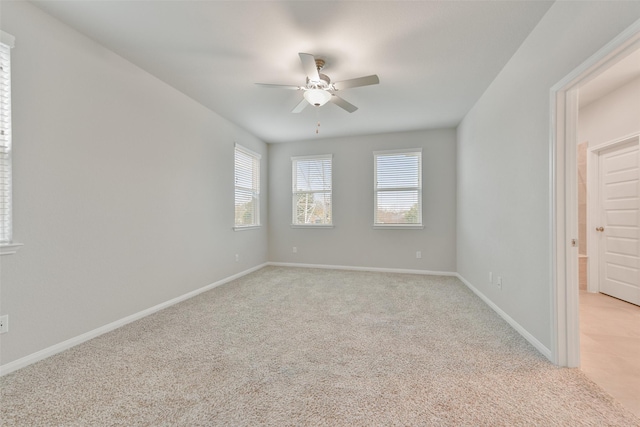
317, 97
319, 90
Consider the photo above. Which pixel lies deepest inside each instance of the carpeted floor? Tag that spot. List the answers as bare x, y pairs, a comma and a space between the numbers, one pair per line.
309, 347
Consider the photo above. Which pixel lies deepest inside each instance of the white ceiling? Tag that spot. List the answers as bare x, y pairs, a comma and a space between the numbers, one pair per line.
434, 58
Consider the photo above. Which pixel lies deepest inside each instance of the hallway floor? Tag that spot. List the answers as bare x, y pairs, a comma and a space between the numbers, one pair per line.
610, 346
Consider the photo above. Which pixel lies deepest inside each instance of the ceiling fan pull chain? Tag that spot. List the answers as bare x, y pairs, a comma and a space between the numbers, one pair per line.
318, 118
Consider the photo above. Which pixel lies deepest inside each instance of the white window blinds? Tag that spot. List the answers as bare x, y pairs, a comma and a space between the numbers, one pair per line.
6, 44
312, 190
398, 187
247, 187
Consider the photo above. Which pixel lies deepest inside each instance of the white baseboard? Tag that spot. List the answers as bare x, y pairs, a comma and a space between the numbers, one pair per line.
515, 325
373, 269
65, 345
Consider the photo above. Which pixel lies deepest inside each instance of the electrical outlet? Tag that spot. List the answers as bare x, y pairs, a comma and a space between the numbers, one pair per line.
499, 282
491, 277
419, 254
295, 250
237, 257
4, 324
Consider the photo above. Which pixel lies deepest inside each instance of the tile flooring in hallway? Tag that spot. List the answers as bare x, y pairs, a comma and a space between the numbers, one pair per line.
610, 346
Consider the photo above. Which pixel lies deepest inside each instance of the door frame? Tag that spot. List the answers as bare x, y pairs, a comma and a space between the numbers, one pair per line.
563, 212
594, 204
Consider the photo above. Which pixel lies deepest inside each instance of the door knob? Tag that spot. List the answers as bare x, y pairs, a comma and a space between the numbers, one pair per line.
600, 229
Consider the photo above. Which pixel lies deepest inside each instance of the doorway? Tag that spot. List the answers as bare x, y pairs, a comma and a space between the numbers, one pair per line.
564, 193
566, 237
609, 321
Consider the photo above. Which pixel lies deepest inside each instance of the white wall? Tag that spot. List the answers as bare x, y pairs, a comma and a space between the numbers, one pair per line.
353, 242
614, 116
123, 189
503, 161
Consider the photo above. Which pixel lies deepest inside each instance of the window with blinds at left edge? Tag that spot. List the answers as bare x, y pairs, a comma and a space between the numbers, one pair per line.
7, 246
247, 188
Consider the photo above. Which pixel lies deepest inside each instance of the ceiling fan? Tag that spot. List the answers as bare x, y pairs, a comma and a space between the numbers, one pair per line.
319, 90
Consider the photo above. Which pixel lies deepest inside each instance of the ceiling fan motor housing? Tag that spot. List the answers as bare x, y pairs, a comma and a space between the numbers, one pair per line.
323, 83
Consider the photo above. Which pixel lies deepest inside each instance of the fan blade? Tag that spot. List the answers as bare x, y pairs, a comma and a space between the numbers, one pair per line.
309, 65
343, 104
300, 106
360, 81
291, 87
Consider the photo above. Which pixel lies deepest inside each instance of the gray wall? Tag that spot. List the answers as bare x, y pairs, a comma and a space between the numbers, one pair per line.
124, 186
503, 161
123, 189
353, 241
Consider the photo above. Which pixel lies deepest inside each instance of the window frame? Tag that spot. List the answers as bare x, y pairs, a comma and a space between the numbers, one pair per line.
254, 189
295, 190
7, 245
380, 225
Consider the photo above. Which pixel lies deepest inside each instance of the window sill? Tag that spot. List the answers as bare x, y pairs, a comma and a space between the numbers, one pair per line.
311, 225
398, 226
246, 227
9, 248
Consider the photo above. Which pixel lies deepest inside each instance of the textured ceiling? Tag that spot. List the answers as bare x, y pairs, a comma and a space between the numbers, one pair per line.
434, 58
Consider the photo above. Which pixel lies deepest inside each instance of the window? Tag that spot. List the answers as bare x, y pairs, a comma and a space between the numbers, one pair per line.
398, 188
247, 188
6, 43
312, 191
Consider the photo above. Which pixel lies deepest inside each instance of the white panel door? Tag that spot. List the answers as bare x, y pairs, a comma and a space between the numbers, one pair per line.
620, 223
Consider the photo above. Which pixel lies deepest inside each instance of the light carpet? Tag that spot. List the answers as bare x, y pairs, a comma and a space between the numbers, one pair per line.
311, 347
